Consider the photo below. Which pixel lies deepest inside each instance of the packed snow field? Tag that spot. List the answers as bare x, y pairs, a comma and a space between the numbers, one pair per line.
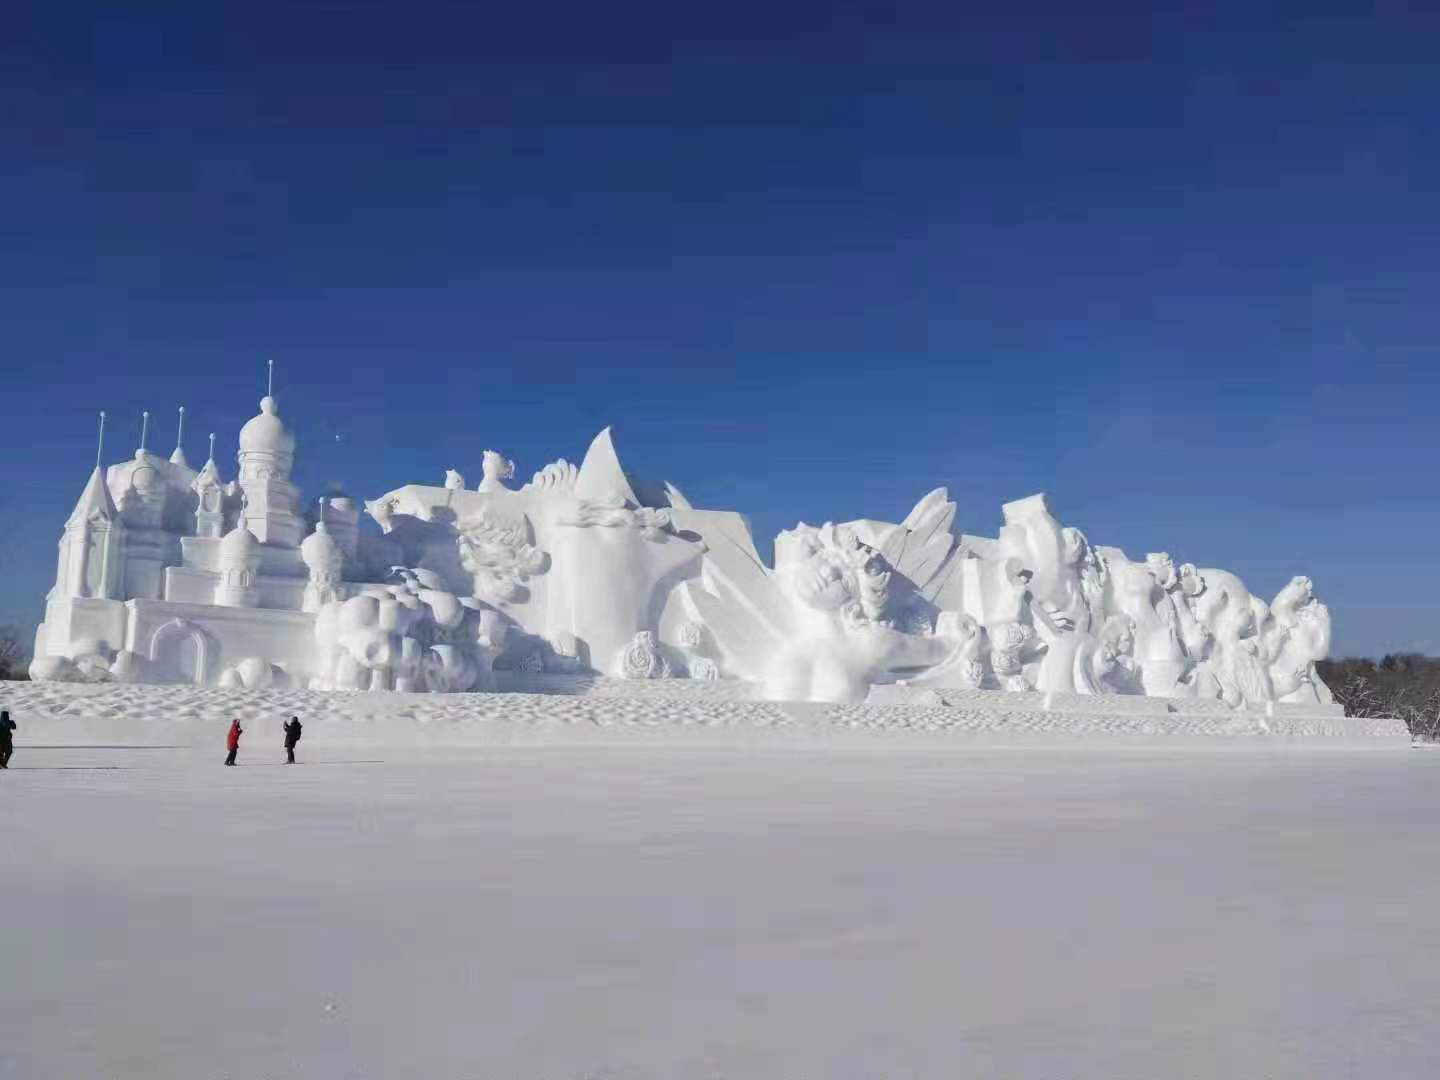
588, 711
631, 912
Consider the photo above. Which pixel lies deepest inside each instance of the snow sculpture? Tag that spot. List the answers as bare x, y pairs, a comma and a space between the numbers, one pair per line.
167, 574
239, 563
495, 470
642, 659
826, 624
251, 673
495, 551
324, 560
557, 476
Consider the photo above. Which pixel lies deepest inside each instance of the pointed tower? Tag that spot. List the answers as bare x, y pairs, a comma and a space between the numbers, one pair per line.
177, 456
210, 498
267, 454
91, 557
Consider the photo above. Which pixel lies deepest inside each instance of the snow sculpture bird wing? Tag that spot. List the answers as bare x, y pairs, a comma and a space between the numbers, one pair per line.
923, 547
739, 601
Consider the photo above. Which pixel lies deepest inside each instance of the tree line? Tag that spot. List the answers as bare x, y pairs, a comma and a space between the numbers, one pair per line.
1406, 685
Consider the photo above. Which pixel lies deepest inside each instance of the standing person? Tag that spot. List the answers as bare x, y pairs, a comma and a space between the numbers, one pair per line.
7, 738
232, 741
292, 736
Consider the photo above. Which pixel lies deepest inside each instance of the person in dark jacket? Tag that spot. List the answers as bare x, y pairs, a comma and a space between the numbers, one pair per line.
232, 741
292, 736
7, 738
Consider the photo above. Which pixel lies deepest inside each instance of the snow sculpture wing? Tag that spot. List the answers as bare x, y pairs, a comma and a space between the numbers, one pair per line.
558, 476
922, 548
739, 602
601, 478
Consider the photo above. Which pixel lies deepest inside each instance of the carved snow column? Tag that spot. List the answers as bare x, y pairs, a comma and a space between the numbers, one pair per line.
149, 548
326, 563
239, 565
267, 454
91, 548
210, 502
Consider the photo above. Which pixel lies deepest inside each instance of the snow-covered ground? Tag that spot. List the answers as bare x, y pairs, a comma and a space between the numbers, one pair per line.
589, 711
626, 912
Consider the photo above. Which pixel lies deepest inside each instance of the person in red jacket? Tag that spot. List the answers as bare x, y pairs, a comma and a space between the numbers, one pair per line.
232, 741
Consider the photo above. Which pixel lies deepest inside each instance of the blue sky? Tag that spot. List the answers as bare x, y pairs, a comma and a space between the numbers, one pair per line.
1177, 267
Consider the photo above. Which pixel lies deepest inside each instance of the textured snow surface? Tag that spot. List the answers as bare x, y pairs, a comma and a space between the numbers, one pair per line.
667, 913
680, 713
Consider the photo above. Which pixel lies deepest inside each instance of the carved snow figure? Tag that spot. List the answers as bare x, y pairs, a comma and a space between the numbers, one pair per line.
1010, 635
702, 668
1105, 664
1138, 593
495, 469
690, 636
404, 636
642, 659
383, 512
1292, 666
965, 669
1295, 635
1234, 669
454, 481
823, 633
495, 549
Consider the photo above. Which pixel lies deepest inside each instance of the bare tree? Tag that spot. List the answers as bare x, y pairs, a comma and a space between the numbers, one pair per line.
12, 656
1362, 698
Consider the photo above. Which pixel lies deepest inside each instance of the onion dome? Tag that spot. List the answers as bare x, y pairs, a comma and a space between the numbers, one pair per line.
239, 547
266, 433
319, 549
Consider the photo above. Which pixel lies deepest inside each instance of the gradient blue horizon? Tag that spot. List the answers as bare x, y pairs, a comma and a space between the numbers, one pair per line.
1177, 270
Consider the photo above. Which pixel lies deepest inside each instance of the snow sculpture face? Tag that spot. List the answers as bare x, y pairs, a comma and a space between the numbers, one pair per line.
1311, 633
1299, 592
828, 569
496, 552
383, 511
1162, 567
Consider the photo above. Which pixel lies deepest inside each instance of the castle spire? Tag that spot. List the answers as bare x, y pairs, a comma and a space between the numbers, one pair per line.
100, 440
177, 457
144, 428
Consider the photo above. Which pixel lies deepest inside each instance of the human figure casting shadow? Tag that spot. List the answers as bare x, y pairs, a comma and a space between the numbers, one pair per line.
7, 738
232, 741
292, 736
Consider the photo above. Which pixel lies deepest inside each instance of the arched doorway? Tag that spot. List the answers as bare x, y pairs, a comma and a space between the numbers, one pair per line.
181, 650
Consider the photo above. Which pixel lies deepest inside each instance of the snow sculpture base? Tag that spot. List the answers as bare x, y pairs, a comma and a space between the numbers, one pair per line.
573, 710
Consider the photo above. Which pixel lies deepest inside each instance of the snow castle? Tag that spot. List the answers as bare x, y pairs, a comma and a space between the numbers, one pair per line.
167, 574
